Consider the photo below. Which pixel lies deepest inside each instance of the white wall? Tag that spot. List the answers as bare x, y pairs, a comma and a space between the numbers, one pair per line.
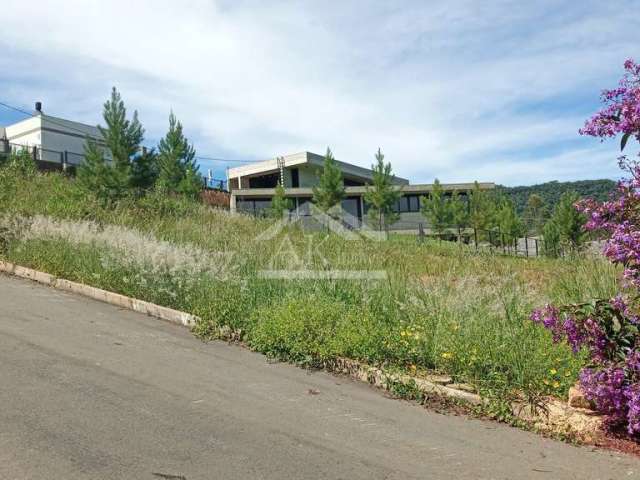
51, 135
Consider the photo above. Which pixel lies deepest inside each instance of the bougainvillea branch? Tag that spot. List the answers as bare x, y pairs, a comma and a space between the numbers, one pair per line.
608, 329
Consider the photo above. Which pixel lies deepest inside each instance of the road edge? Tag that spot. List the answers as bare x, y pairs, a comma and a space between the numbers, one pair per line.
141, 306
558, 417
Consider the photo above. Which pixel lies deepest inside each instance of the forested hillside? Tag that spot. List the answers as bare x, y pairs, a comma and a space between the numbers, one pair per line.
551, 191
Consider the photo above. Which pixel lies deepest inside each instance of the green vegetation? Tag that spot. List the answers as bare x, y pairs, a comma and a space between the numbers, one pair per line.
177, 168
435, 209
132, 169
382, 196
443, 307
550, 192
330, 189
279, 203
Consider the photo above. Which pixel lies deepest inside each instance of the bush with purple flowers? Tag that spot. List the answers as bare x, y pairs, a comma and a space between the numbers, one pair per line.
609, 329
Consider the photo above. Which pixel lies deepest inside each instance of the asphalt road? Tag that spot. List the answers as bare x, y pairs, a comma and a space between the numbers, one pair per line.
88, 391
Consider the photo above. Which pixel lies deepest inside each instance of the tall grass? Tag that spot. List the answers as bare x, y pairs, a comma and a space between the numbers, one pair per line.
442, 307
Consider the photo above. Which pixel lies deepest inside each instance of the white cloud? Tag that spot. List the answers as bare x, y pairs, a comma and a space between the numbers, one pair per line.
460, 90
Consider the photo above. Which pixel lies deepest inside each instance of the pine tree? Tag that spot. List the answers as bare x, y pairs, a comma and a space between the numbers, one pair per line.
535, 213
144, 171
279, 203
95, 175
482, 210
458, 211
178, 170
507, 220
383, 195
330, 189
551, 239
122, 137
435, 208
191, 184
569, 220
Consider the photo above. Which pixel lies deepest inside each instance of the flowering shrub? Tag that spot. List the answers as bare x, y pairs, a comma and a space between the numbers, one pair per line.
609, 329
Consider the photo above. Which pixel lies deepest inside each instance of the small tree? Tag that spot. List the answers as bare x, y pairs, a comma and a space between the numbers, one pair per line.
97, 176
279, 203
551, 239
435, 208
144, 171
507, 220
330, 189
383, 195
569, 220
458, 211
176, 161
481, 209
535, 213
122, 137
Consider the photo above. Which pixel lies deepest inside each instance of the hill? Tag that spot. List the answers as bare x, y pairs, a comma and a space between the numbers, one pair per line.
551, 191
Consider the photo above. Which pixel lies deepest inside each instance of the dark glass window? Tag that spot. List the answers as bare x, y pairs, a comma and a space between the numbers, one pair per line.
403, 204
414, 203
264, 181
295, 178
348, 182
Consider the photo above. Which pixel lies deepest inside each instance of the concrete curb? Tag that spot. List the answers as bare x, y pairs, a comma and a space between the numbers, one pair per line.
122, 301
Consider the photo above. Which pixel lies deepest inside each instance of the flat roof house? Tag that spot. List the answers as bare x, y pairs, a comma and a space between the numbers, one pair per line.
53, 141
253, 186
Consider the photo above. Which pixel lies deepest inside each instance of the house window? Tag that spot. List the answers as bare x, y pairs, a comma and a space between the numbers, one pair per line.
403, 204
295, 178
264, 181
414, 203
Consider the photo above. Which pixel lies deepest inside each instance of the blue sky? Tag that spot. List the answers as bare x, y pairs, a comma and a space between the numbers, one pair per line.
458, 90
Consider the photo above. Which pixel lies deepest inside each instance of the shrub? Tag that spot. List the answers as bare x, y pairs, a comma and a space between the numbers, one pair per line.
607, 329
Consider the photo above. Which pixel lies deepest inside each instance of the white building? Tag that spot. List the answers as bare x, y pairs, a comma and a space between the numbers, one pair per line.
52, 141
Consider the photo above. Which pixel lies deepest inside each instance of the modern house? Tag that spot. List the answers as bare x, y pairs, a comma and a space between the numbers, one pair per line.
253, 186
54, 142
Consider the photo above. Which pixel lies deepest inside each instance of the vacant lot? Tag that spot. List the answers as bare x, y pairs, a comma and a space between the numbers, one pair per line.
442, 307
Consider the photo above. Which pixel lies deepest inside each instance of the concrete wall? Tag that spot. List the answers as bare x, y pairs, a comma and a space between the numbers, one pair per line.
53, 135
27, 132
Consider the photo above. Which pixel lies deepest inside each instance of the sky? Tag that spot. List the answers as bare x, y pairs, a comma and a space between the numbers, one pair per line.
454, 90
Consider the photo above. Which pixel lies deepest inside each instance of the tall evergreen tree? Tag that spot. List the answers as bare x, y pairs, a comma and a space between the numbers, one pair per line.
178, 170
435, 208
122, 137
330, 189
383, 194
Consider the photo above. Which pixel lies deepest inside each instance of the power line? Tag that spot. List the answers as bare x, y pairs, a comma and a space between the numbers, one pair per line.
69, 127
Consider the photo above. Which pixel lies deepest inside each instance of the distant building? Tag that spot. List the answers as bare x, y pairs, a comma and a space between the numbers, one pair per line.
253, 186
51, 140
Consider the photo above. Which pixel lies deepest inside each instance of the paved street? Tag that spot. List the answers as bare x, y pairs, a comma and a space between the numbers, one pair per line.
89, 391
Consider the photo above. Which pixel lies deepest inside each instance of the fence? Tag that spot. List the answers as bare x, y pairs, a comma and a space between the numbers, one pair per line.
63, 160
481, 240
